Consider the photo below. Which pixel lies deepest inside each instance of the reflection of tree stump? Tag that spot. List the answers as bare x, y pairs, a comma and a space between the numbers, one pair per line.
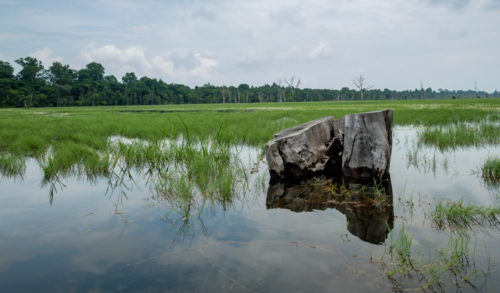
368, 208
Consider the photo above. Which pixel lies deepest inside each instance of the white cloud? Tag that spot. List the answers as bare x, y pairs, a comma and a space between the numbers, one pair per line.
205, 64
163, 66
134, 59
396, 43
321, 50
464, 4
116, 60
46, 57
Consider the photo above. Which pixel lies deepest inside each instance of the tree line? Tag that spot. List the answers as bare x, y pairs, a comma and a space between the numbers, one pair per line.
60, 85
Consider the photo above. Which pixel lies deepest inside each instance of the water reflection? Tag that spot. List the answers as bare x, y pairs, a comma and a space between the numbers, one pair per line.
170, 219
367, 207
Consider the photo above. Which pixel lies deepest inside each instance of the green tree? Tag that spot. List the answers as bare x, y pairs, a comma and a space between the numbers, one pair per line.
61, 78
31, 75
8, 94
243, 91
128, 80
95, 71
6, 70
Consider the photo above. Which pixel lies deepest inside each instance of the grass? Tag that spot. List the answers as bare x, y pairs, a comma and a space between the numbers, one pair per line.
451, 265
400, 252
460, 134
77, 141
187, 154
421, 161
458, 215
32, 132
78, 138
189, 175
12, 165
490, 171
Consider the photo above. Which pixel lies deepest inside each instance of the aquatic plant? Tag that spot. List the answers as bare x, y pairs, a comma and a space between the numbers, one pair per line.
450, 265
458, 215
490, 171
400, 252
188, 175
460, 134
32, 133
12, 165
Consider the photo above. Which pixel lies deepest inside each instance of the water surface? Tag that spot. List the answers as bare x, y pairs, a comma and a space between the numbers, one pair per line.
99, 236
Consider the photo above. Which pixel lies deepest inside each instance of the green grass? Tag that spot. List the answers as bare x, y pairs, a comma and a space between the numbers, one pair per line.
458, 215
189, 175
81, 134
460, 134
400, 252
490, 171
11, 165
453, 265
186, 153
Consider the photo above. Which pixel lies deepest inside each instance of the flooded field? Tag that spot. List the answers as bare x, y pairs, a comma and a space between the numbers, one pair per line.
130, 230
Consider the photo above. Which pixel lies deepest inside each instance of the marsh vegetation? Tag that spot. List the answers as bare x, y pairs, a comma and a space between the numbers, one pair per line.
171, 191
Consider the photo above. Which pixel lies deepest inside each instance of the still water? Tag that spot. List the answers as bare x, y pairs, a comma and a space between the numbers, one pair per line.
99, 236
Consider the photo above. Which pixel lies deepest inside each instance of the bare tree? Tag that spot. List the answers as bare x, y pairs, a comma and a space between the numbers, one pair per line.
261, 96
225, 93
360, 83
422, 91
281, 91
293, 85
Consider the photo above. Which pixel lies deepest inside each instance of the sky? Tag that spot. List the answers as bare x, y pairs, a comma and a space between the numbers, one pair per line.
396, 44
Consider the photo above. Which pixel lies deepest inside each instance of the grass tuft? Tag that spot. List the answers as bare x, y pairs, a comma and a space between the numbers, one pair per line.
457, 215
460, 134
12, 166
490, 171
451, 265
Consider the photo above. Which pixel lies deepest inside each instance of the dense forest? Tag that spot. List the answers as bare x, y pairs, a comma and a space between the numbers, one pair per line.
60, 85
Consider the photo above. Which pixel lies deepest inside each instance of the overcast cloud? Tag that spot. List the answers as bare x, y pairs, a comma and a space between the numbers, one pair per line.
394, 44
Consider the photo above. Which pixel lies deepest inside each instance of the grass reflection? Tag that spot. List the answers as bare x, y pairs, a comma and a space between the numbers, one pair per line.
12, 166
459, 216
189, 176
490, 171
453, 265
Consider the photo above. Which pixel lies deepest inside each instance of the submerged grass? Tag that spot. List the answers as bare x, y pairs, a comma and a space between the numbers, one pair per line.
189, 175
453, 265
458, 215
400, 252
12, 165
490, 171
70, 141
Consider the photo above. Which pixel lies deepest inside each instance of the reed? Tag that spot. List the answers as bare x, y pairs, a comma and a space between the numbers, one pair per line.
460, 134
490, 171
458, 215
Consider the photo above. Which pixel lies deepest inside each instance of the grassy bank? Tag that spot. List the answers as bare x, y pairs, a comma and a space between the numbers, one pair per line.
76, 135
461, 134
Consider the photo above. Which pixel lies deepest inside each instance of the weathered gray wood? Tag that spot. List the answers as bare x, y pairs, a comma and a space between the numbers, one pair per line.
300, 150
367, 145
358, 146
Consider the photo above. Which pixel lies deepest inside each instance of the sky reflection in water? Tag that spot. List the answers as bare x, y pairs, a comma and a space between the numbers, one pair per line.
273, 238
